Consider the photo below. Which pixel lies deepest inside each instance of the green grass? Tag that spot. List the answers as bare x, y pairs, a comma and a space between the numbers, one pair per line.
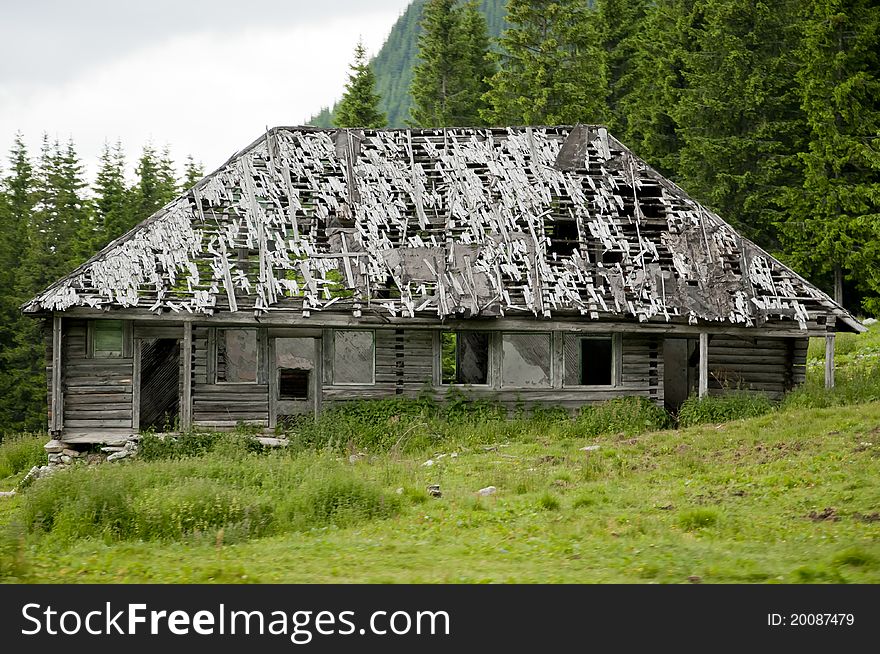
788, 495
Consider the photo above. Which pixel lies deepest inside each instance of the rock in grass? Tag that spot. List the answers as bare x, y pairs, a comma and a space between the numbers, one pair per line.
485, 492
7, 493
428, 463
590, 448
54, 447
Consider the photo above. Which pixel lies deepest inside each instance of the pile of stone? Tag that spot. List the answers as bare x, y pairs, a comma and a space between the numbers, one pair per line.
117, 453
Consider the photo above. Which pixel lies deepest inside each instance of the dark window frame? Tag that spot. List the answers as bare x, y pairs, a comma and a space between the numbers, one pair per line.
93, 352
219, 334
490, 337
616, 353
551, 372
332, 362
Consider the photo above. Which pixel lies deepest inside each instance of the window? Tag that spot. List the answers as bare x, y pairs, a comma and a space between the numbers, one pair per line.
107, 339
293, 384
353, 357
464, 357
589, 360
237, 355
525, 360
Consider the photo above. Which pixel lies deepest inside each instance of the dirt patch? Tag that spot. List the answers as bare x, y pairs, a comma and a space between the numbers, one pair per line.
867, 517
828, 514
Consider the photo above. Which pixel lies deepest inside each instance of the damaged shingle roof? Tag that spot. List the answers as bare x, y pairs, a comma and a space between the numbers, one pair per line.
443, 222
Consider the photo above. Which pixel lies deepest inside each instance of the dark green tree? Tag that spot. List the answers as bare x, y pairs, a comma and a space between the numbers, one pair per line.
619, 21
449, 78
113, 199
359, 106
738, 116
193, 171
551, 67
156, 183
834, 230
654, 82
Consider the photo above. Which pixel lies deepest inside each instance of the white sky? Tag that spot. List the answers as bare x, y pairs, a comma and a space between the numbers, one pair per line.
205, 77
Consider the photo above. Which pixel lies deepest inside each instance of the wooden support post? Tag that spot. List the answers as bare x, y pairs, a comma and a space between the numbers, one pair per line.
704, 365
136, 386
829, 360
57, 396
186, 400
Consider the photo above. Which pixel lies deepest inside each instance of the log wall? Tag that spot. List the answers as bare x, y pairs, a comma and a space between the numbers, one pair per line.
97, 392
768, 365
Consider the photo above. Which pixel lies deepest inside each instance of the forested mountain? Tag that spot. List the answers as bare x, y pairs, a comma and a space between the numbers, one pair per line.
393, 65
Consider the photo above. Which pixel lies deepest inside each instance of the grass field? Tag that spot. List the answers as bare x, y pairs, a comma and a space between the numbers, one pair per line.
788, 496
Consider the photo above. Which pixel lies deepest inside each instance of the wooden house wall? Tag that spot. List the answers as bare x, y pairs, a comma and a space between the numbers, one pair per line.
226, 404
97, 392
769, 365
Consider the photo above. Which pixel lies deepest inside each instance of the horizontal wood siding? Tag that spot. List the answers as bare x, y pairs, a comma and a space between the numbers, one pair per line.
226, 405
405, 360
767, 365
97, 392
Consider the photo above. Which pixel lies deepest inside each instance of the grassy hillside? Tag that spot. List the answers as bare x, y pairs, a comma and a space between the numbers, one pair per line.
787, 496
394, 63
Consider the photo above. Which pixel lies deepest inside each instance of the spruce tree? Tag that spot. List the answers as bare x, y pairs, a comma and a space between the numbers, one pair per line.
551, 68
156, 183
193, 171
619, 22
449, 78
113, 201
655, 81
359, 106
835, 226
480, 62
738, 117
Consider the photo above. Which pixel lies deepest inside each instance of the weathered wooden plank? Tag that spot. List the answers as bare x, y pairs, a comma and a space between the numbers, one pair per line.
703, 375
186, 391
57, 391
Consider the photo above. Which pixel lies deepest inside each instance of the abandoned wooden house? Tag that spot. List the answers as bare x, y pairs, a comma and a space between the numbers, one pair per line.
536, 265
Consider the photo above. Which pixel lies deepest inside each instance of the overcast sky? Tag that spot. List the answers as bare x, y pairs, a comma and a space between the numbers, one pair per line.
204, 77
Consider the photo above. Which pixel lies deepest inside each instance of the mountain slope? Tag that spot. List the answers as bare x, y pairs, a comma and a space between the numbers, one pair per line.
394, 63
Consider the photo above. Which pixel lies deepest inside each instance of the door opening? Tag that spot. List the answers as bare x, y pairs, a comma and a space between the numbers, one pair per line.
160, 384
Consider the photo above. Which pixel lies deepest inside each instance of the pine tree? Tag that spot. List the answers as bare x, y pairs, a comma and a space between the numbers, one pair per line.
655, 81
551, 68
835, 225
156, 183
359, 106
449, 78
738, 117
480, 62
619, 21
193, 171
113, 201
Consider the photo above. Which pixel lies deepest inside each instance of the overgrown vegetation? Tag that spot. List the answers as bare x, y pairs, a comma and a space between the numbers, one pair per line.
759, 494
20, 453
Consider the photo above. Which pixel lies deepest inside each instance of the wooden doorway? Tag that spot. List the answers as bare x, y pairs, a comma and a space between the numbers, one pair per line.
679, 371
294, 378
158, 384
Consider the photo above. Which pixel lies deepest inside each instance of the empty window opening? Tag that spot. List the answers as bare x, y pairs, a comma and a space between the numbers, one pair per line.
564, 239
293, 384
525, 360
107, 339
353, 356
464, 357
589, 361
237, 355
